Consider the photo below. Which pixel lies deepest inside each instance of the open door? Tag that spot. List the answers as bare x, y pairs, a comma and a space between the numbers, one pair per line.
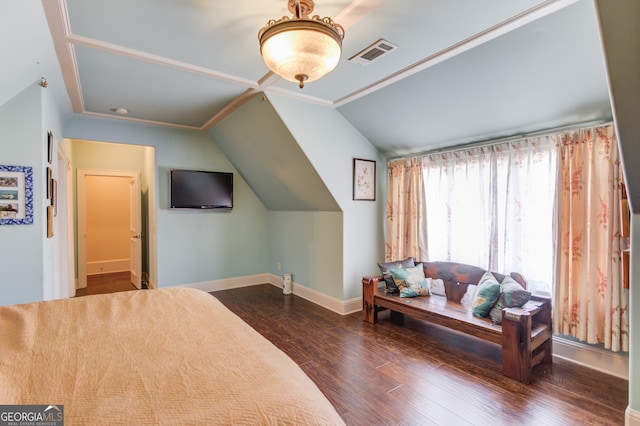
135, 221
135, 226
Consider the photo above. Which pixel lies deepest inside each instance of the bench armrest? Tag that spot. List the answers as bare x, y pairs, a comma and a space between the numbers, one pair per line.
369, 290
537, 305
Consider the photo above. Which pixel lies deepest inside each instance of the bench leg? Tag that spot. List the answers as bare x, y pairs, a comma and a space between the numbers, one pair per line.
369, 289
516, 349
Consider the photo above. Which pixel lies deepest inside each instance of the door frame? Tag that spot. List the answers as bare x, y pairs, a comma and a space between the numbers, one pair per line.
64, 221
81, 175
135, 233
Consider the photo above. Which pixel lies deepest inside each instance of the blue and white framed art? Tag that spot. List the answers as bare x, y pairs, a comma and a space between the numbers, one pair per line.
16, 195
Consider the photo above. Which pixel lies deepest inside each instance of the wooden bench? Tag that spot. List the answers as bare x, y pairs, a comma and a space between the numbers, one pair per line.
525, 333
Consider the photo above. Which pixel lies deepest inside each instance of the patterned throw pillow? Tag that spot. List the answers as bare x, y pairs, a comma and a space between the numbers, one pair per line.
409, 262
411, 281
486, 295
512, 295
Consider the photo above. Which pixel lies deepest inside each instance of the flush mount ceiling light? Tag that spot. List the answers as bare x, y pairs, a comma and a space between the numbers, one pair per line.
301, 48
121, 111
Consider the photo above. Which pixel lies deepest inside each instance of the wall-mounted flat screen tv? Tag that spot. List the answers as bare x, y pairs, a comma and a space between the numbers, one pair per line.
196, 189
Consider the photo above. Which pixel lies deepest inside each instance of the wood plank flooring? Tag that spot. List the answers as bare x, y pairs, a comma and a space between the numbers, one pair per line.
420, 374
107, 283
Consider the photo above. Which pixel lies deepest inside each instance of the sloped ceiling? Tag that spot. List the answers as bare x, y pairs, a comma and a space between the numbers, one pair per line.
27, 53
270, 159
546, 74
464, 71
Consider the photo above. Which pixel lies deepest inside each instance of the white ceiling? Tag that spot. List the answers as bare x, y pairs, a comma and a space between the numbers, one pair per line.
465, 70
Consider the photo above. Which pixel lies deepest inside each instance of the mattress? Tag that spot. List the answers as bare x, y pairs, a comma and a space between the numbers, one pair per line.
165, 356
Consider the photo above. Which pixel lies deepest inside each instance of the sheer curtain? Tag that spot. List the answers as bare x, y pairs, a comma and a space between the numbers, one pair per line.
590, 301
405, 224
458, 187
492, 207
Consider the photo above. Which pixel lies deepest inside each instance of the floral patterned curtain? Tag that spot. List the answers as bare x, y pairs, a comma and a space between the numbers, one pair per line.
590, 301
406, 218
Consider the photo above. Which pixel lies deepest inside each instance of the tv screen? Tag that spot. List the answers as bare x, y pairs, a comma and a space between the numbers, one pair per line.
196, 189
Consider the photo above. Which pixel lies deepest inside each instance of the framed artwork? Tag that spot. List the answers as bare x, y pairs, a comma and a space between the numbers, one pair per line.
49, 147
16, 195
49, 184
50, 214
364, 179
54, 196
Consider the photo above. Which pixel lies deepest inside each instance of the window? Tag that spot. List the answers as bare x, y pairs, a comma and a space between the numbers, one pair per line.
493, 207
546, 207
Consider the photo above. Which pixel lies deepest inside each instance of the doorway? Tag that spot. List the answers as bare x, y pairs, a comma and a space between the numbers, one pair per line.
109, 230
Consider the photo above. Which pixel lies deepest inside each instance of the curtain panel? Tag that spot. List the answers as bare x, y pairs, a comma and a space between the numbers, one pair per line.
406, 219
590, 301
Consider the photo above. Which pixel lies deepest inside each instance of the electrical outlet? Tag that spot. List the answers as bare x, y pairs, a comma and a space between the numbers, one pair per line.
279, 266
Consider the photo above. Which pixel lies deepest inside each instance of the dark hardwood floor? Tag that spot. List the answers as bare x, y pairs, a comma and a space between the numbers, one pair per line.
107, 283
420, 374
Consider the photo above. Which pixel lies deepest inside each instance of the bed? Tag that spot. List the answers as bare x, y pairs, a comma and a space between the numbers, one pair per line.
166, 356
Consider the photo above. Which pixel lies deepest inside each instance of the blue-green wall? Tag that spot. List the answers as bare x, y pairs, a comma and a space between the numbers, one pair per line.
317, 232
193, 246
308, 245
26, 255
327, 251
331, 143
51, 122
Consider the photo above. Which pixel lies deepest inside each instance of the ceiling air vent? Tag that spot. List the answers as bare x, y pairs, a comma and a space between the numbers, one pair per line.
374, 52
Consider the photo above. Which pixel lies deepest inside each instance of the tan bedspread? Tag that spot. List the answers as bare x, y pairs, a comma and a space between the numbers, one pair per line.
170, 356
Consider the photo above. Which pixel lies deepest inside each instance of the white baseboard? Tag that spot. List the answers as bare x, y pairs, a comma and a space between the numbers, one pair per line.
613, 363
107, 266
342, 307
631, 417
229, 283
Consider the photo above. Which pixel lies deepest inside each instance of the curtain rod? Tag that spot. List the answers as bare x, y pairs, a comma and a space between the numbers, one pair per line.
488, 142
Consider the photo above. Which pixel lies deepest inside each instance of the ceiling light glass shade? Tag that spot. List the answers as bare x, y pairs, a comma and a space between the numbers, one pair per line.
301, 49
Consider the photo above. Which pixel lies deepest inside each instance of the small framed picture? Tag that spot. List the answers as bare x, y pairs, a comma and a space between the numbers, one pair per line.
50, 214
54, 196
364, 179
49, 147
49, 184
16, 195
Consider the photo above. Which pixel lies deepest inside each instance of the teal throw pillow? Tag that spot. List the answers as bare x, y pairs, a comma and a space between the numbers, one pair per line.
410, 281
486, 295
512, 295
388, 279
